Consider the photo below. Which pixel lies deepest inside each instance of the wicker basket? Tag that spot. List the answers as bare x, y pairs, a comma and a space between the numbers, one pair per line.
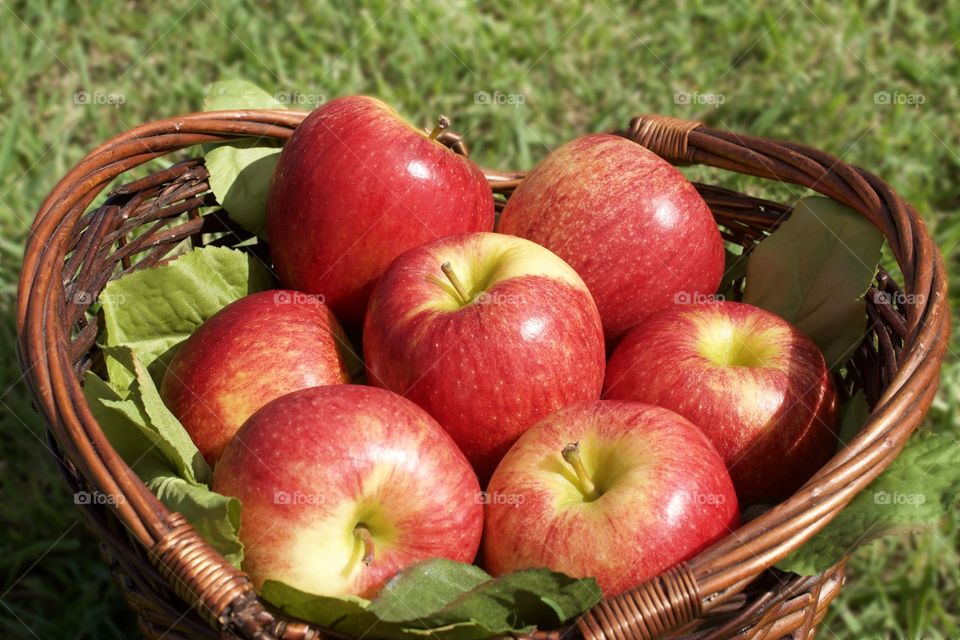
181, 588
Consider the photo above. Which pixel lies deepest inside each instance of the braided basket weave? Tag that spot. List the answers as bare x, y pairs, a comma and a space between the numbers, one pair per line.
181, 588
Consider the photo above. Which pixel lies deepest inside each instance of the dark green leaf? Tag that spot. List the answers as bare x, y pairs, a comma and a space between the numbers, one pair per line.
520, 600
425, 588
447, 599
854, 416
734, 268
813, 271
913, 493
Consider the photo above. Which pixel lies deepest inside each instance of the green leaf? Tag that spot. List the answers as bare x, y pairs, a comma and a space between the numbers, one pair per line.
447, 599
155, 420
521, 600
814, 270
240, 174
216, 517
425, 588
240, 171
914, 493
238, 94
152, 311
854, 415
734, 268
156, 453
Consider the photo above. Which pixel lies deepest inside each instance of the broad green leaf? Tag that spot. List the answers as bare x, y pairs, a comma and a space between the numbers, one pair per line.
449, 600
216, 517
127, 425
238, 94
914, 493
520, 600
425, 588
734, 268
240, 171
814, 270
351, 616
240, 174
854, 415
155, 420
152, 311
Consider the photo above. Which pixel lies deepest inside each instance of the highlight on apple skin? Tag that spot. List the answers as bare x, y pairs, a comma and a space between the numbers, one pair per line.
757, 387
620, 491
255, 349
626, 220
354, 187
489, 333
344, 486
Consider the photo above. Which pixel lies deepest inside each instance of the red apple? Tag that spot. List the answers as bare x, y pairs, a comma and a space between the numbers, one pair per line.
755, 385
344, 486
356, 186
619, 491
630, 224
253, 350
503, 335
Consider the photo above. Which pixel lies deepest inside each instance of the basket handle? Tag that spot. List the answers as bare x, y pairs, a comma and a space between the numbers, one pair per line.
666, 136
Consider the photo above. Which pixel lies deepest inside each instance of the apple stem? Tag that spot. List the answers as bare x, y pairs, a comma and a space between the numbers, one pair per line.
442, 123
462, 292
571, 453
364, 535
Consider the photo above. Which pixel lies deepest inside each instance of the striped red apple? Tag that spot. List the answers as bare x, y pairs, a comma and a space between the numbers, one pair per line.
489, 333
344, 486
758, 387
356, 186
630, 224
255, 349
619, 491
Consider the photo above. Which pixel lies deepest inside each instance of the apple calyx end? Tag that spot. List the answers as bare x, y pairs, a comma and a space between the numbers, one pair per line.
366, 539
442, 123
457, 284
571, 455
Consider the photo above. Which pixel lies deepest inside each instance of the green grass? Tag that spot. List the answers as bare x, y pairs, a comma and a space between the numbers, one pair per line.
806, 71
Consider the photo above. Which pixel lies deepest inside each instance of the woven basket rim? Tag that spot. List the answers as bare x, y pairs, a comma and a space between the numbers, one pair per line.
705, 581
